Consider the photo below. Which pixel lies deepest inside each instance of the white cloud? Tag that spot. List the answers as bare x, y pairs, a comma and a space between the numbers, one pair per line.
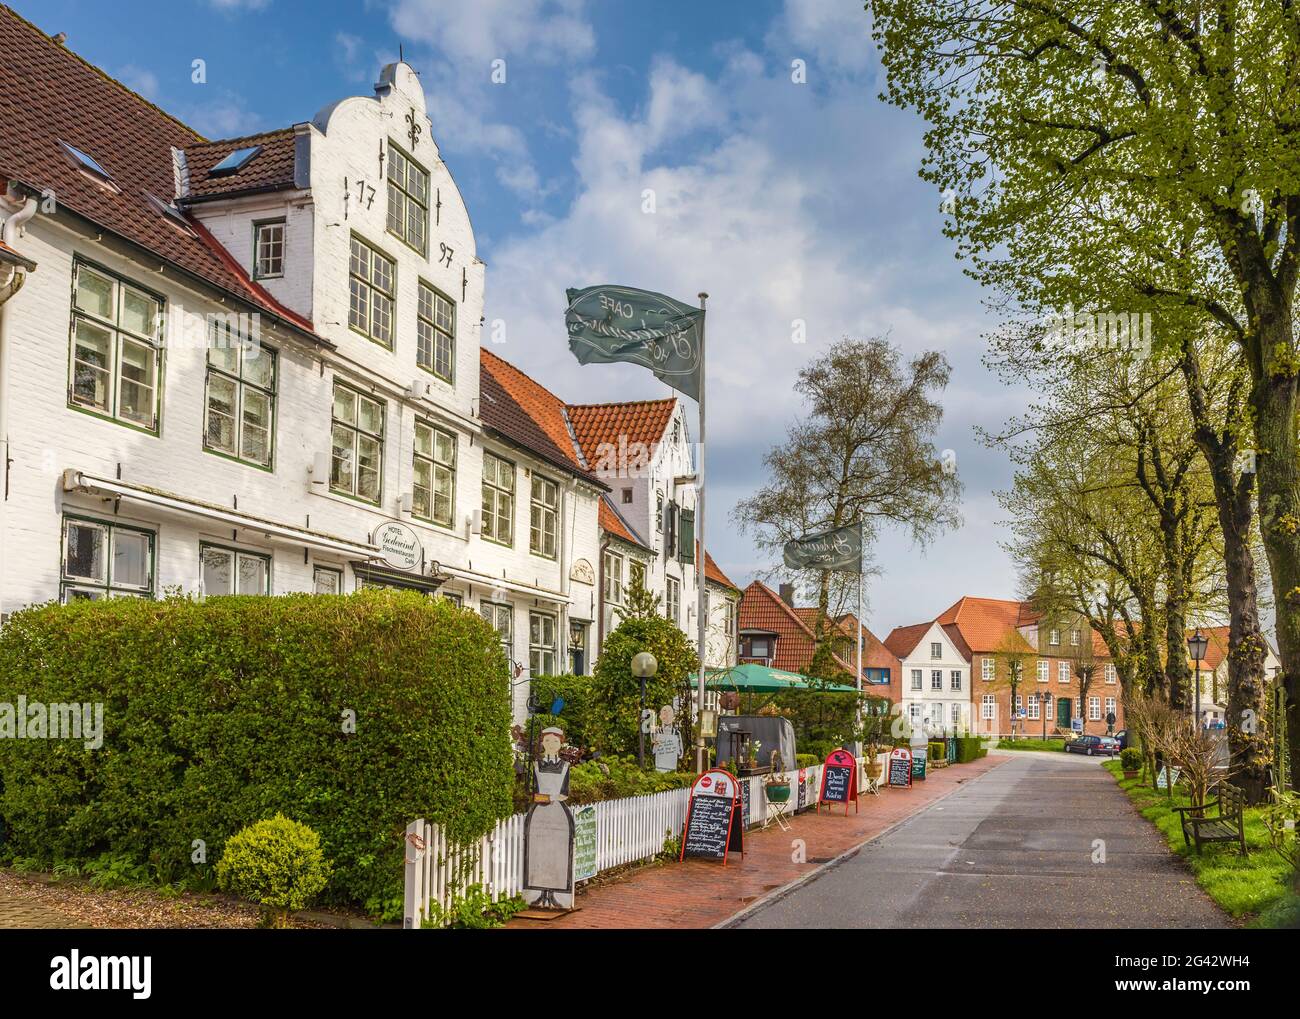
833, 35
225, 116
485, 30
240, 5
140, 80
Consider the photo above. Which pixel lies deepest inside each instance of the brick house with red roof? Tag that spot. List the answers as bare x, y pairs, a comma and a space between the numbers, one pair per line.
776, 633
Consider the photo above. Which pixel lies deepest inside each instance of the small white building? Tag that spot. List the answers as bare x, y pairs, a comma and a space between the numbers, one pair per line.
935, 677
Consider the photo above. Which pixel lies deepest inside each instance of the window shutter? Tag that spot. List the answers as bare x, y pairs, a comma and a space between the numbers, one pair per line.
670, 530
687, 542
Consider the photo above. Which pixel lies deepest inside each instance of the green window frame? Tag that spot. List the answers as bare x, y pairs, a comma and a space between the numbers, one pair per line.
248, 572
543, 517
498, 499
372, 292
100, 559
357, 445
268, 249
408, 199
435, 339
686, 539
239, 398
434, 486
115, 356
542, 645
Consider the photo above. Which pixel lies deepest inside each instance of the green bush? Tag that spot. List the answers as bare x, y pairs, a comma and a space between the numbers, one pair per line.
969, 749
614, 778
222, 712
806, 760
276, 863
1130, 759
575, 717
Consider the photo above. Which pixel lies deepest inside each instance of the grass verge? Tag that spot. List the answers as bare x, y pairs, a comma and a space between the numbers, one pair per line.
1032, 744
1258, 889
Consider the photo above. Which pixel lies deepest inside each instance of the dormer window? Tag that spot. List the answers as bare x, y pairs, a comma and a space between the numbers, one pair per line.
234, 162
173, 214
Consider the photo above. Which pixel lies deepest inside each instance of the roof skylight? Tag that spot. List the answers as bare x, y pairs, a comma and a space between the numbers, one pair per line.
86, 162
235, 162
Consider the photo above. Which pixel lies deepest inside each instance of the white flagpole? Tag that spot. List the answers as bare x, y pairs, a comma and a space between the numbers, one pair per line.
858, 683
701, 582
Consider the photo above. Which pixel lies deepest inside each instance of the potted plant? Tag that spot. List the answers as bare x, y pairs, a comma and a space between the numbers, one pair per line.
777, 785
1130, 759
872, 725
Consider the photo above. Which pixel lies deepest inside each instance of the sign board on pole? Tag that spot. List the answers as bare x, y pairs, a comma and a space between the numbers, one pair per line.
900, 767
712, 827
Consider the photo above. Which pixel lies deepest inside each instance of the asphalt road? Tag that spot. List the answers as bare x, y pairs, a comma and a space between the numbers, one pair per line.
1013, 848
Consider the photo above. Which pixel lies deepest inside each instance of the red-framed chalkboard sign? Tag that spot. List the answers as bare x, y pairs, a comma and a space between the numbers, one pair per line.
839, 780
713, 826
900, 768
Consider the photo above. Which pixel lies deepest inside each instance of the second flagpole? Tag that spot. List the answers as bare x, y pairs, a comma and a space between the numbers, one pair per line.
701, 583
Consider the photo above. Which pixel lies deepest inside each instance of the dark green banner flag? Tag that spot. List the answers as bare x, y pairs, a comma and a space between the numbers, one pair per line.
837, 549
611, 323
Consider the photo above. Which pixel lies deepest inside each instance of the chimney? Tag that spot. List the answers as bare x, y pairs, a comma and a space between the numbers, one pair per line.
787, 594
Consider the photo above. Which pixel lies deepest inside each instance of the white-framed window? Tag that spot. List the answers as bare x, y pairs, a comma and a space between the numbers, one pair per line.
372, 290
1020, 704
1111, 674
956, 714
672, 599
408, 198
613, 578
936, 649
988, 707
988, 668
501, 617
1110, 705
452, 597
1043, 667
541, 644
1094, 709
1063, 672
102, 560
357, 453
543, 517
916, 679
1074, 638
116, 348
914, 712
954, 679
1053, 637
936, 679
729, 619
1033, 708
240, 398
498, 499
435, 332
433, 495
268, 249
234, 571
327, 580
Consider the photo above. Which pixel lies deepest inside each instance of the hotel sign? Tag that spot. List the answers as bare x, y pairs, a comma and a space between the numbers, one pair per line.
399, 545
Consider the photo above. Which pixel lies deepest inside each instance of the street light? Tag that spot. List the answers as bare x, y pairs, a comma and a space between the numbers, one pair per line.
644, 666
1045, 700
1196, 645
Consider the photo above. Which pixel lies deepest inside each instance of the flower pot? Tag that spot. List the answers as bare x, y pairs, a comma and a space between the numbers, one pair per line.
1130, 774
873, 768
778, 792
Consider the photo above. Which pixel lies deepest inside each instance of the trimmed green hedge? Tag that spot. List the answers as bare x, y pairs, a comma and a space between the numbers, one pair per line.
969, 749
220, 713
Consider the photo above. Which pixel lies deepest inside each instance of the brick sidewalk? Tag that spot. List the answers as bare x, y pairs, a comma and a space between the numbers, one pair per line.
699, 894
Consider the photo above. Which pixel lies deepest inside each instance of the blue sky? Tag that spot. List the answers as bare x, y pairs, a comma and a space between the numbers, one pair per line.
786, 201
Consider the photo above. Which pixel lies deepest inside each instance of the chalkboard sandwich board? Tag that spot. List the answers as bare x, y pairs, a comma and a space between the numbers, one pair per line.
839, 780
919, 758
712, 825
900, 767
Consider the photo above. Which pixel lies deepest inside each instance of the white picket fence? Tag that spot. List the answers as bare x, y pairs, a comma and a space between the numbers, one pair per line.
627, 831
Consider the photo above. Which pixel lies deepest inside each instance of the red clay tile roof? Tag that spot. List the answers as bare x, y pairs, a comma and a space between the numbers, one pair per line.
597, 425
761, 608
12, 257
983, 623
874, 653
520, 410
902, 639
712, 572
612, 523
50, 95
271, 169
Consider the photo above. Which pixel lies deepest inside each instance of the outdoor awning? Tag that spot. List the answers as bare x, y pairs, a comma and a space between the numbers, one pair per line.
753, 678
79, 481
485, 580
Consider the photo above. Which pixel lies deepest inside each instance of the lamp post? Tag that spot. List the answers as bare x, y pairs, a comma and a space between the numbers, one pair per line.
1045, 702
644, 666
1196, 645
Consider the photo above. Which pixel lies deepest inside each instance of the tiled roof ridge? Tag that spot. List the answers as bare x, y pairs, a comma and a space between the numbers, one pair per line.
198, 138
273, 132
623, 403
560, 405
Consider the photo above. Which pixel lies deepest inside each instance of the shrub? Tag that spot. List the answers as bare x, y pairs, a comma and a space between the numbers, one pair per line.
1130, 759
614, 778
276, 863
579, 704
222, 712
805, 760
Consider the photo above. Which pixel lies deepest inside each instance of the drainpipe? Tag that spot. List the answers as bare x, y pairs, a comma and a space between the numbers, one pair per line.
600, 602
18, 211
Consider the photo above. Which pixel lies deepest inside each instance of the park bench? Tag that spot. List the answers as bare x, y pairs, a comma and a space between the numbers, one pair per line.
1225, 826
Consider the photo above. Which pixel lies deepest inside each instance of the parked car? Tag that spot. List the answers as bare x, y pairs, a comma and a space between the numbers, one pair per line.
1122, 736
1090, 745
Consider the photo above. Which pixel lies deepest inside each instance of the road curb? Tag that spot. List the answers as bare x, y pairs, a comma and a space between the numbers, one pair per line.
777, 894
